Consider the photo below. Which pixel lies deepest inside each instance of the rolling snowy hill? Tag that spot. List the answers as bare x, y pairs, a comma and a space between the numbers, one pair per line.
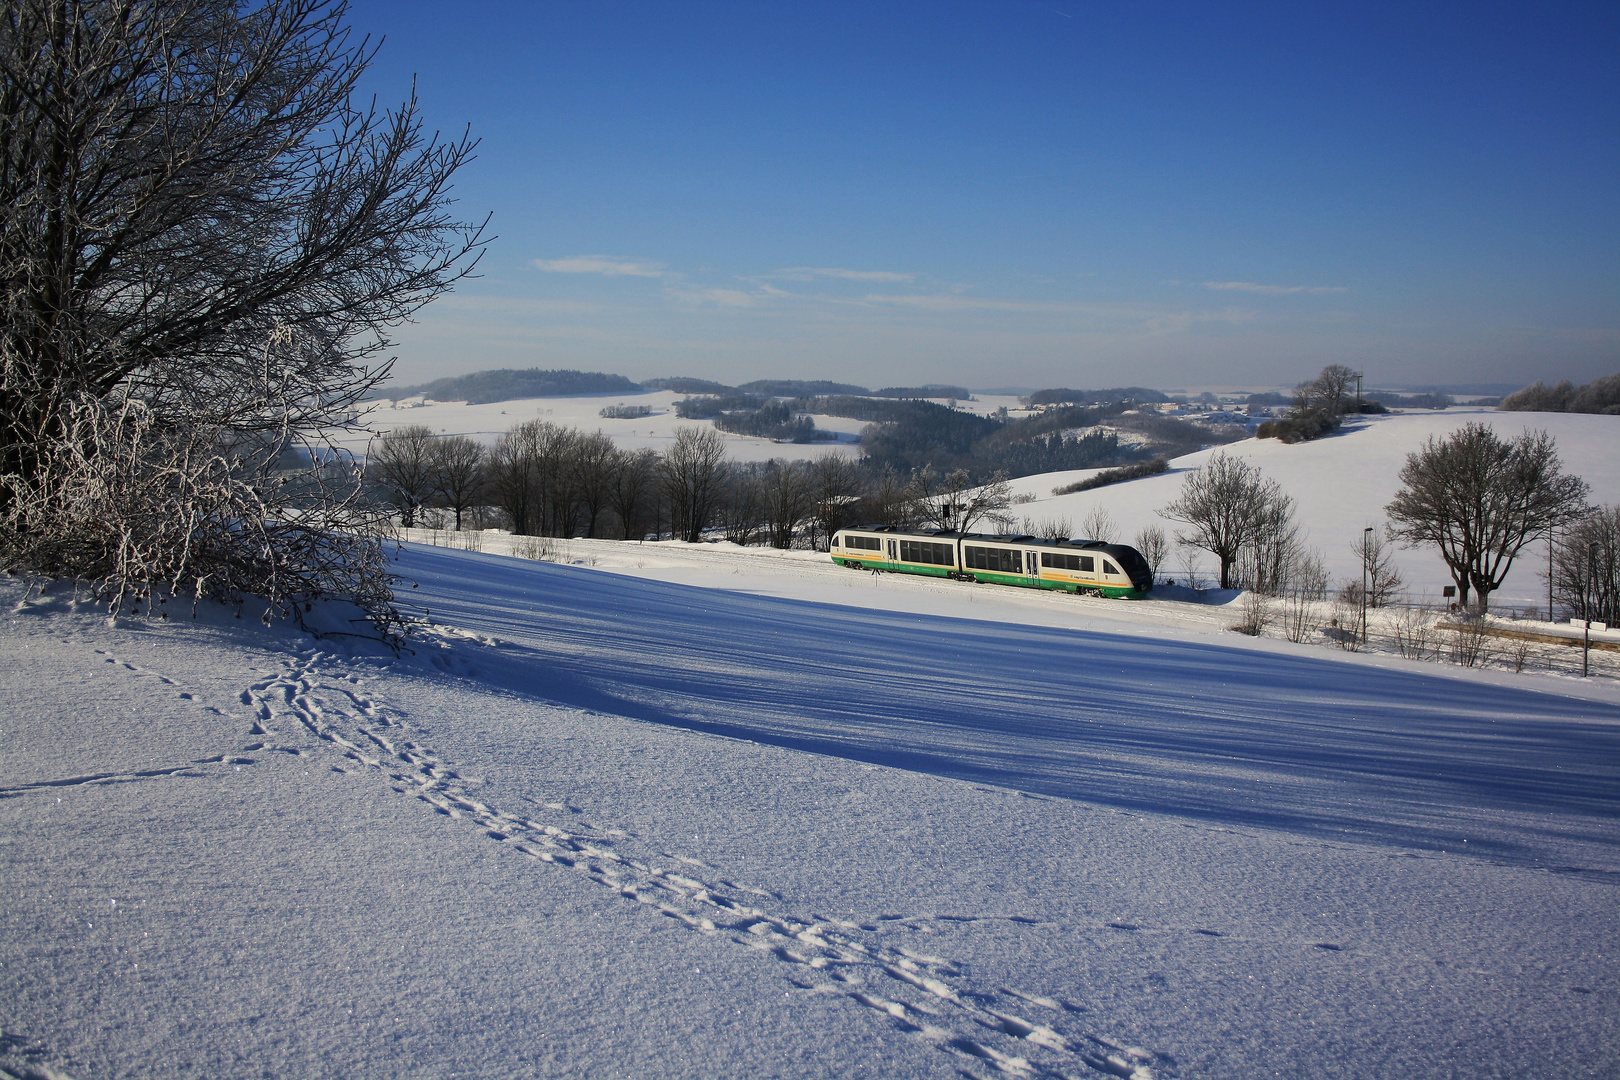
757, 816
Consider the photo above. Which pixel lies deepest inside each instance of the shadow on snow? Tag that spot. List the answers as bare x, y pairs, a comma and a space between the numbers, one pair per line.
1309, 745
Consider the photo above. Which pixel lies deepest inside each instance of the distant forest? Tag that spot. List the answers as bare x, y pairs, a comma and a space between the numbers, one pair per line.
906, 435
797, 388
904, 429
1065, 396
482, 387
1597, 396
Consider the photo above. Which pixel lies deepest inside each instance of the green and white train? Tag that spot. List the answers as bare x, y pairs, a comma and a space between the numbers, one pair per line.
1087, 567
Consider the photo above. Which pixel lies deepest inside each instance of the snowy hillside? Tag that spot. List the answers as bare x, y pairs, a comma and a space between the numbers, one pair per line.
1342, 483
760, 817
489, 422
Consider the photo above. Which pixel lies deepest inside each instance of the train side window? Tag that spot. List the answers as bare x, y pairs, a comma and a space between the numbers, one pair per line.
1109, 568
1087, 565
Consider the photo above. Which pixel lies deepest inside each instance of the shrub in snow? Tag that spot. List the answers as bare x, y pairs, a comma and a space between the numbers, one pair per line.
195, 511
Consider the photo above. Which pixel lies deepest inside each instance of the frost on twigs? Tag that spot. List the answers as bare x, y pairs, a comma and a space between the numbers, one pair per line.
135, 507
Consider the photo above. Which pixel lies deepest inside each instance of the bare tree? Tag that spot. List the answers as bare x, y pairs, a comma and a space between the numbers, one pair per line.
595, 461
693, 469
458, 474
1480, 499
891, 500
1378, 556
555, 477
1327, 395
1224, 503
404, 466
512, 468
785, 490
199, 226
1098, 524
835, 484
1267, 559
742, 505
1047, 528
1586, 566
959, 504
1151, 543
634, 491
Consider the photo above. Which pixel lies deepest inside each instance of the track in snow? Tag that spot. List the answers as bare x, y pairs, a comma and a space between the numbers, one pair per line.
988, 1029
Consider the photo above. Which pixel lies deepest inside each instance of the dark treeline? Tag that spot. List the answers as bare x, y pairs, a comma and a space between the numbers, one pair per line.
772, 420
751, 414
545, 479
709, 406
1134, 471
688, 386
932, 390
1065, 396
1392, 400
1598, 396
791, 388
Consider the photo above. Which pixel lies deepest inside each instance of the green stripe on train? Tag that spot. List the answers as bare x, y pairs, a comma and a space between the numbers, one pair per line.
1112, 592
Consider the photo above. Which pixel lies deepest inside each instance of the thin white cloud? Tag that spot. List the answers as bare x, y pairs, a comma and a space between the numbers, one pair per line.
1144, 315
600, 264
1273, 290
513, 305
733, 298
806, 273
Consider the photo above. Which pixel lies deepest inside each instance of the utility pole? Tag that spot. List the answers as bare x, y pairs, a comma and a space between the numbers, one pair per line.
1366, 548
1358, 392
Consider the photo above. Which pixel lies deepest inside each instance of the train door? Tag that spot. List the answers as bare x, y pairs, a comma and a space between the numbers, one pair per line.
893, 555
1034, 560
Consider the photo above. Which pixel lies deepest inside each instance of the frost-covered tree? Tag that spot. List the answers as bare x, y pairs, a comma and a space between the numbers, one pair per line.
204, 243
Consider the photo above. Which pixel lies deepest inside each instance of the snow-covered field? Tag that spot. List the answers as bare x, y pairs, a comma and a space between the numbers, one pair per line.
694, 812
487, 423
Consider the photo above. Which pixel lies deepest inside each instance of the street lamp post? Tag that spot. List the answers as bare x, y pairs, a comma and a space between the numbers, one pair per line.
1586, 614
1366, 550
1550, 616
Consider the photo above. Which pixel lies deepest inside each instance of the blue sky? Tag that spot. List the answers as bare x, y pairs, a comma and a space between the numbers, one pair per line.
1025, 194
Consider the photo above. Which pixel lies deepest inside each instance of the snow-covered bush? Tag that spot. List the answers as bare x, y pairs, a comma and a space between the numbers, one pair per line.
135, 507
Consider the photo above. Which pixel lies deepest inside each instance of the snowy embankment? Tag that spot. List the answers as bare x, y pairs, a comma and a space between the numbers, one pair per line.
753, 817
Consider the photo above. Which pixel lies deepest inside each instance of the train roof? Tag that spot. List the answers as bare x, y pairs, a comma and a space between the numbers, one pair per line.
991, 538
